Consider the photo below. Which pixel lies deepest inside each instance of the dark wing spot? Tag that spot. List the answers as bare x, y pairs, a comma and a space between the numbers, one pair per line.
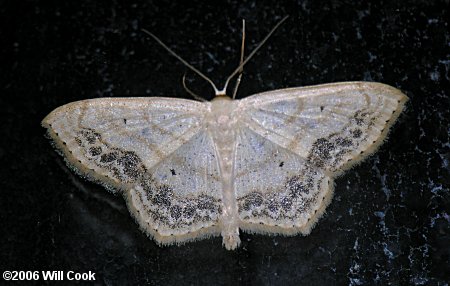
344, 142
109, 157
175, 211
129, 159
95, 151
321, 108
205, 203
357, 133
188, 211
286, 203
78, 141
173, 172
130, 163
253, 200
163, 197
90, 135
320, 152
281, 164
273, 206
296, 187
323, 147
359, 117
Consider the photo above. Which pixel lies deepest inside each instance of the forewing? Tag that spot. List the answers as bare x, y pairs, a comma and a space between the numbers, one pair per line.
114, 140
331, 125
155, 150
293, 142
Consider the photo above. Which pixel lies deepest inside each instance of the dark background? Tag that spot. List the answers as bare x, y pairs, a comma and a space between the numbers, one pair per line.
389, 222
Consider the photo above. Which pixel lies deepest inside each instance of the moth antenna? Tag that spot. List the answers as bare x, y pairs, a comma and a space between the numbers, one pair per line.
191, 92
182, 60
240, 67
238, 81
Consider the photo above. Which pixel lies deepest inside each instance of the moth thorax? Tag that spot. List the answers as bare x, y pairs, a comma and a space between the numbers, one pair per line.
222, 109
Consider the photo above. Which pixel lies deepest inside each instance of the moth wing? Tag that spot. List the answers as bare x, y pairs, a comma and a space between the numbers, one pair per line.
155, 150
292, 143
332, 125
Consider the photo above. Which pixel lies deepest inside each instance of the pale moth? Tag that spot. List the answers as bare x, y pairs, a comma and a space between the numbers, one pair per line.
262, 164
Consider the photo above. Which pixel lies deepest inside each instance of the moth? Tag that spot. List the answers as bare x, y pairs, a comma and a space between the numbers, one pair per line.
192, 169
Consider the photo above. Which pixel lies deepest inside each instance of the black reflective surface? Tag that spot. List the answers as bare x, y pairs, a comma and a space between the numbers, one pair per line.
389, 221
